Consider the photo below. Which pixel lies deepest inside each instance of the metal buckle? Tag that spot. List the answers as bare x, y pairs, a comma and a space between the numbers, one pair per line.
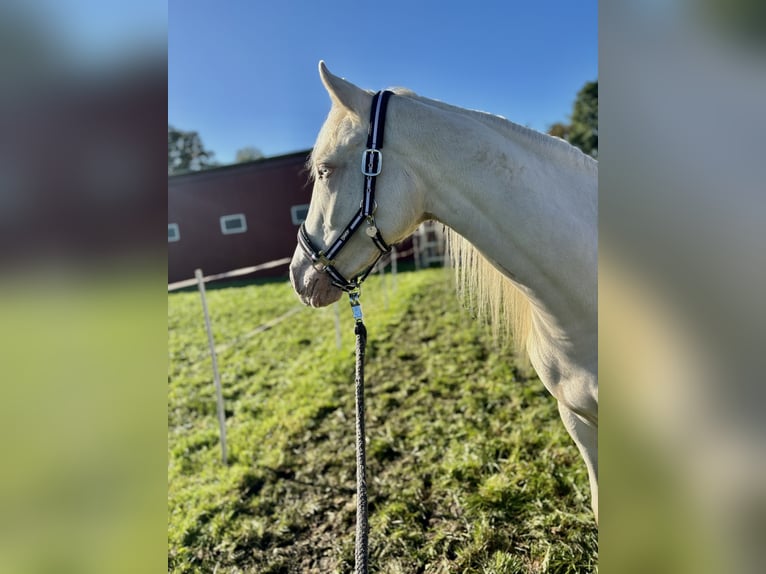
368, 162
321, 259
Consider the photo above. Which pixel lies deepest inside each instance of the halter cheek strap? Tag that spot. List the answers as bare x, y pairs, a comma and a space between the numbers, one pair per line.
372, 164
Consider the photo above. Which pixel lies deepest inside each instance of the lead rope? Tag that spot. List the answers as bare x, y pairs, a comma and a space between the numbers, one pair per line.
361, 548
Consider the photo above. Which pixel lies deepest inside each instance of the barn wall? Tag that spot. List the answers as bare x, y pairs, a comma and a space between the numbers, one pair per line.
263, 191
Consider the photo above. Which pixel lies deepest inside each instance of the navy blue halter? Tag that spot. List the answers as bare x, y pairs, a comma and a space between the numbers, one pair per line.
372, 163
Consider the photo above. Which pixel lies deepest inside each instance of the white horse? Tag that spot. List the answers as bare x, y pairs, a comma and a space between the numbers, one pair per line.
522, 211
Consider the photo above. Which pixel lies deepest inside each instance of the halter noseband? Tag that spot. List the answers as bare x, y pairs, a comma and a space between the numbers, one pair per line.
372, 163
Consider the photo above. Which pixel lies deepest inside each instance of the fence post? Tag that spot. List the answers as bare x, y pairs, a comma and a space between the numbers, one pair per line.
383, 283
393, 267
338, 341
216, 377
416, 248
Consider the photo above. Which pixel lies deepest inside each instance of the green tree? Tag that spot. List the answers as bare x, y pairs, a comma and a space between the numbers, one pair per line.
560, 130
743, 21
582, 131
248, 153
186, 152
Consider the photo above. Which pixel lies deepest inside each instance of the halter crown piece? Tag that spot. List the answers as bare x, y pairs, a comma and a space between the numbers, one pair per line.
372, 163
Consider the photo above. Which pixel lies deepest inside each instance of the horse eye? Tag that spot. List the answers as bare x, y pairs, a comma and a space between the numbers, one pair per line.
323, 172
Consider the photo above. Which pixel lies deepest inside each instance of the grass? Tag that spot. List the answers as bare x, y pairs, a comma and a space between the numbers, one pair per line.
469, 468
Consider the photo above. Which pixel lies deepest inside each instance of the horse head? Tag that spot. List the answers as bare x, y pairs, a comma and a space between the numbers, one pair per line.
339, 185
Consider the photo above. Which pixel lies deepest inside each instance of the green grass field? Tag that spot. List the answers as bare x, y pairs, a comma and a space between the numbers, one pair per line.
469, 468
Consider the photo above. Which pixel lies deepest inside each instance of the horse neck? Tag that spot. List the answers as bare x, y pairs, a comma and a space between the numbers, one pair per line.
526, 201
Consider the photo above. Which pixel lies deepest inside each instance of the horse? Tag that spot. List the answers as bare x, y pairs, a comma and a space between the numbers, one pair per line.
520, 210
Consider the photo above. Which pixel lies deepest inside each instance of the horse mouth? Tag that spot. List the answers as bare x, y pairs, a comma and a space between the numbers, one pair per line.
313, 288
321, 298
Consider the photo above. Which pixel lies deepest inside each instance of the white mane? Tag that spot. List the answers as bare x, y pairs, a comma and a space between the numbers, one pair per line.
507, 127
485, 290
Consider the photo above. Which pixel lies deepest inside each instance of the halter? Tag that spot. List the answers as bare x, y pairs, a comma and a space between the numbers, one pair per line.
372, 163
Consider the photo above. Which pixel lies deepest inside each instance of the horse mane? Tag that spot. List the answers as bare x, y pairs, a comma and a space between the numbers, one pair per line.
492, 296
502, 124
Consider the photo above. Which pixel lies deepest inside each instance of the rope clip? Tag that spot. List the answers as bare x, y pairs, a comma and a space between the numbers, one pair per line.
356, 306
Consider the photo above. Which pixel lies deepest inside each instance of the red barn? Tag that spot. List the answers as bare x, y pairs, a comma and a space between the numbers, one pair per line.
236, 216
246, 214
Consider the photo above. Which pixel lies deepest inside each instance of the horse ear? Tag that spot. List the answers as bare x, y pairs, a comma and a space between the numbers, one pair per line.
342, 92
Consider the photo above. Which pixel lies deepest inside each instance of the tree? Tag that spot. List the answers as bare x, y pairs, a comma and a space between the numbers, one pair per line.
743, 21
559, 130
582, 131
186, 152
248, 153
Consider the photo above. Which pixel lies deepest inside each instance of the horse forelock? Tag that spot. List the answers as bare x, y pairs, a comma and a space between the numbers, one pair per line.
341, 134
341, 131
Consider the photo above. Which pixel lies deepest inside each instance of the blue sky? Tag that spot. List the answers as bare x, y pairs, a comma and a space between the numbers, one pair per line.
244, 72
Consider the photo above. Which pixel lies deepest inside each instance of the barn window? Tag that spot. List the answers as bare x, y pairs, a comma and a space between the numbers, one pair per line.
234, 223
299, 213
173, 233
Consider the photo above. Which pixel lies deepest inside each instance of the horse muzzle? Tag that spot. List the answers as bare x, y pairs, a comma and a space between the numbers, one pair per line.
313, 287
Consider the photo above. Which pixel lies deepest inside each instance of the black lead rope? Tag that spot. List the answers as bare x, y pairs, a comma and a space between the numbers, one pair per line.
361, 551
324, 261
